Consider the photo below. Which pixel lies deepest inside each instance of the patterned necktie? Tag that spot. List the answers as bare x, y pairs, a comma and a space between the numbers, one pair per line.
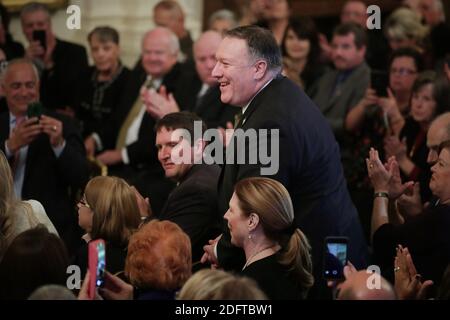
237, 118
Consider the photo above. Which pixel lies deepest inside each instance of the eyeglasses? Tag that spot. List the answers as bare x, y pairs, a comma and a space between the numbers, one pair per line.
402, 71
84, 203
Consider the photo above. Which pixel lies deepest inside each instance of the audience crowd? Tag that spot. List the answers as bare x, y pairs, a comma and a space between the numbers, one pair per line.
363, 147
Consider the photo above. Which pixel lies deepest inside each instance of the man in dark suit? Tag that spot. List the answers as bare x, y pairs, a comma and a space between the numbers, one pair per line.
46, 155
193, 203
127, 142
248, 71
60, 63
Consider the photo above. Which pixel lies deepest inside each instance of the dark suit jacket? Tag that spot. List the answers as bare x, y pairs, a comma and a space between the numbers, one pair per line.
142, 153
335, 107
309, 167
209, 107
193, 206
58, 85
50, 180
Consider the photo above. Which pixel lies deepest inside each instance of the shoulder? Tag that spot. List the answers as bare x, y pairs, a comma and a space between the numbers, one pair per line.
70, 46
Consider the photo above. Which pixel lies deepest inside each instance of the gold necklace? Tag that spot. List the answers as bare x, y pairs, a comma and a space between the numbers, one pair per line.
255, 254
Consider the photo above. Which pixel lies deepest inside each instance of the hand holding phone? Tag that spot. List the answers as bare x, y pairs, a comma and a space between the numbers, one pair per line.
35, 110
379, 81
335, 257
41, 36
97, 265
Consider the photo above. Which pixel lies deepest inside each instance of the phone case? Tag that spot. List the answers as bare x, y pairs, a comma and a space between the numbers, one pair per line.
96, 264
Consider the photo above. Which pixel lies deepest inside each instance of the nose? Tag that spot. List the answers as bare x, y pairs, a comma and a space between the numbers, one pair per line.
432, 157
226, 215
217, 71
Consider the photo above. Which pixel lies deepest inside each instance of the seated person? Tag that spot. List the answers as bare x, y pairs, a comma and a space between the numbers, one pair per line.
193, 202
35, 258
425, 235
109, 211
260, 219
103, 83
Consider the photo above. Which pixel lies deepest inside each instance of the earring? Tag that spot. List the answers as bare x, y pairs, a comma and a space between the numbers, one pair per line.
249, 236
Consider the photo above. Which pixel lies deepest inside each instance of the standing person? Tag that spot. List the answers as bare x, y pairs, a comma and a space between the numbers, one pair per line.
60, 62
248, 70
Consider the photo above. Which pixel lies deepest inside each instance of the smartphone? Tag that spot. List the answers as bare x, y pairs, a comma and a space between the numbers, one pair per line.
97, 265
35, 109
335, 257
379, 82
41, 36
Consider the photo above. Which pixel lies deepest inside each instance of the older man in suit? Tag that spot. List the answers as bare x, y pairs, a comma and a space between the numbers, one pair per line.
127, 143
46, 153
248, 70
341, 89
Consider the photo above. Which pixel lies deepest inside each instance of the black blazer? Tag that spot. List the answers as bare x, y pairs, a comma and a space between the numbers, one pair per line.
58, 85
50, 180
209, 107
143, 152
193, 206
309, 167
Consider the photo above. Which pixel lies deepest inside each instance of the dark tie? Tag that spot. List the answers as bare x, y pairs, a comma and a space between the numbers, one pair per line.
237, 118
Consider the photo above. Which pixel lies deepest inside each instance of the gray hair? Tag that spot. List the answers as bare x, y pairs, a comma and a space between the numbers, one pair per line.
261, 45
33, 7
52, 292
223, 14
18, 61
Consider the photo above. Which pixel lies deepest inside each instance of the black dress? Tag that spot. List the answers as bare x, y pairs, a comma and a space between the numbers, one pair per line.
273, 279
427, 237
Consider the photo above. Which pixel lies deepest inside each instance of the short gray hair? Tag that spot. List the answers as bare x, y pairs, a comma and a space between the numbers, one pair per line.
52, 292
19, 61
33, 7
223, 14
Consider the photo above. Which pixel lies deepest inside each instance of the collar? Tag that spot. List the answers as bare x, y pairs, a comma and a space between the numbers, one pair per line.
248, 104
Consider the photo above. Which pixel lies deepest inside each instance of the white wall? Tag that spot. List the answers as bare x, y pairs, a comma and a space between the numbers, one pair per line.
132, 18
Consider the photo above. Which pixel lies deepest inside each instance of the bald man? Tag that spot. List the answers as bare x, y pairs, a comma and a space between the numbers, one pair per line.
355, 287
127, 143
199, 92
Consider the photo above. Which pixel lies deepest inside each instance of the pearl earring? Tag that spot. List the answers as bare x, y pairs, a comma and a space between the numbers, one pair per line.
249, 236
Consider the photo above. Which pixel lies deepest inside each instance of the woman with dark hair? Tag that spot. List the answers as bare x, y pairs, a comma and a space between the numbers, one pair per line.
429, 99
36, 257
301, 52
276, 17
101, 89
260, 219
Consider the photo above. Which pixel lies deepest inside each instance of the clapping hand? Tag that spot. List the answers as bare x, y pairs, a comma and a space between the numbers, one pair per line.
408, 283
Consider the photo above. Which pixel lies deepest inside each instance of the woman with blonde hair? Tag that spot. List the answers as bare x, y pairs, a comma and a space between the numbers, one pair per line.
109, 211
403, 29
260, 219
17, 216
213, 284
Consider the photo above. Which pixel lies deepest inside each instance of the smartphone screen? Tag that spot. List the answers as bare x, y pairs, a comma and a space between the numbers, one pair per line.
97, 265
335, 257
35, 109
